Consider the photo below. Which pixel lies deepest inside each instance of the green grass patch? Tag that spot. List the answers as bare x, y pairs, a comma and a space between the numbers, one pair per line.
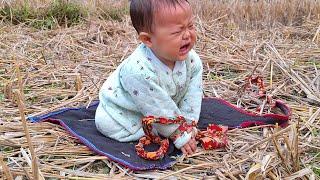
315, 132
214, 76
114, 13
2, 83
316, 170
311, 62
6, 149
17, 15
65, 13
1, 97
33, 100
58, 13
315, 163
226, 73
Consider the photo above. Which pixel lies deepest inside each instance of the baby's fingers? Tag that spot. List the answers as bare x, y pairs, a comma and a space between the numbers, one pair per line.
193, 145
183, 150
188, 149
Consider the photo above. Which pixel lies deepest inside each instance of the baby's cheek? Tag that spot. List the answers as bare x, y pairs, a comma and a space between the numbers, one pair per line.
174, 47
194, 36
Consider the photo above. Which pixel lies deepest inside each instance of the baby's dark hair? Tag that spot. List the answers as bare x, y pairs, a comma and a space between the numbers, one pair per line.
142, 12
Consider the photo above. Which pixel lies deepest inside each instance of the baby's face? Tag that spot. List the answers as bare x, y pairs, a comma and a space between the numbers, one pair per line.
173, 33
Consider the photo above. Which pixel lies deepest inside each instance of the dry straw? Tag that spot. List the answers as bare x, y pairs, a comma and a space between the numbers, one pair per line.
66, 67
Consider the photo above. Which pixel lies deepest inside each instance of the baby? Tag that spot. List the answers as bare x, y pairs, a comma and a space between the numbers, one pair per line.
162, 77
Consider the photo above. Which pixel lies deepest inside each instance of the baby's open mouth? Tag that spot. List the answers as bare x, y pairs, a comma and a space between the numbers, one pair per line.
184, 49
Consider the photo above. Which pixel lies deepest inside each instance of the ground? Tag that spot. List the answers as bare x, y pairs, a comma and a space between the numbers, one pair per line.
65, 65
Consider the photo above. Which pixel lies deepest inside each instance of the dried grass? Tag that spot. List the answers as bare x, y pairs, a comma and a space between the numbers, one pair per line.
66, 67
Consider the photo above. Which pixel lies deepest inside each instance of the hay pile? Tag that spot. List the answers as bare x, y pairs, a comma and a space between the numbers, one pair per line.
64, 67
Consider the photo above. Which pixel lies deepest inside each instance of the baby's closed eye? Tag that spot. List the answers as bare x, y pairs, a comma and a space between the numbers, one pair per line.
176, 32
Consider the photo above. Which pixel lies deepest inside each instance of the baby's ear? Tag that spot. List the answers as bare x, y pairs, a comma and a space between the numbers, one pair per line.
145, 38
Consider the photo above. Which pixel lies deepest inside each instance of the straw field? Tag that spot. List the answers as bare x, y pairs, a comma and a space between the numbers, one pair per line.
56, 54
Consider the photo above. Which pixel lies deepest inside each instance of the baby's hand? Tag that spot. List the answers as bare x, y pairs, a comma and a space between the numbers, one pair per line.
190, 147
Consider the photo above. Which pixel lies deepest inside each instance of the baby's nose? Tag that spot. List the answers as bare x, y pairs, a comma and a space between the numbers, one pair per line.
186, 34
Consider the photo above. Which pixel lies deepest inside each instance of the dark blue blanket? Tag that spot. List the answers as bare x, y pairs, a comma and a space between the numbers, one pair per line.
80, 123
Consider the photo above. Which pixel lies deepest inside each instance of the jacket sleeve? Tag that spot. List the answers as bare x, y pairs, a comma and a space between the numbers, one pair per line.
151, 99
190, 105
